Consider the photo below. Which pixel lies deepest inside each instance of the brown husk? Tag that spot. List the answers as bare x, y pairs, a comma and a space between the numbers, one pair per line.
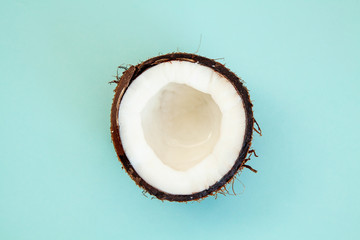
132, 73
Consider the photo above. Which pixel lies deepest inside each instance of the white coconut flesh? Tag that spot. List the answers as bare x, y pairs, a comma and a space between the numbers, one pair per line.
182, 126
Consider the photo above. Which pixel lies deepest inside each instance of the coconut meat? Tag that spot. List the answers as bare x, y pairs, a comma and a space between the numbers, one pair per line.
182, 126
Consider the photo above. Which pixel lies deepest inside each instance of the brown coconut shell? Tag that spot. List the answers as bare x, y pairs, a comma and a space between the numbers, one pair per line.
132, 73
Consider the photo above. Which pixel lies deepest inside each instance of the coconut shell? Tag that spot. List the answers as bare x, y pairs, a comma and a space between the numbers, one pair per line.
132, 73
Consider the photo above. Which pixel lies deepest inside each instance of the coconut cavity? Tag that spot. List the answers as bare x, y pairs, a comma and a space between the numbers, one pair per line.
181, 125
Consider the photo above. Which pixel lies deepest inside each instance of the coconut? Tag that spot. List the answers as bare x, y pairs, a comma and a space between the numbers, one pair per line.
182, 126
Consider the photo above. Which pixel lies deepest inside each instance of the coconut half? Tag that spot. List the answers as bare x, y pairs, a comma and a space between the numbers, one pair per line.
181, 125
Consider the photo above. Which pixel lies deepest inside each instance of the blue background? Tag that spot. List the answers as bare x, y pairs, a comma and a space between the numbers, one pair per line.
59, 174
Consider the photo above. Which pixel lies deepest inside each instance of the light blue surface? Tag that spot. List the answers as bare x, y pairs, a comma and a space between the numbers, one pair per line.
59, 175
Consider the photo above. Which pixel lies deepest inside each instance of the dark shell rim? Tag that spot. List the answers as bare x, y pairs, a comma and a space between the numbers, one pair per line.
132, 73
